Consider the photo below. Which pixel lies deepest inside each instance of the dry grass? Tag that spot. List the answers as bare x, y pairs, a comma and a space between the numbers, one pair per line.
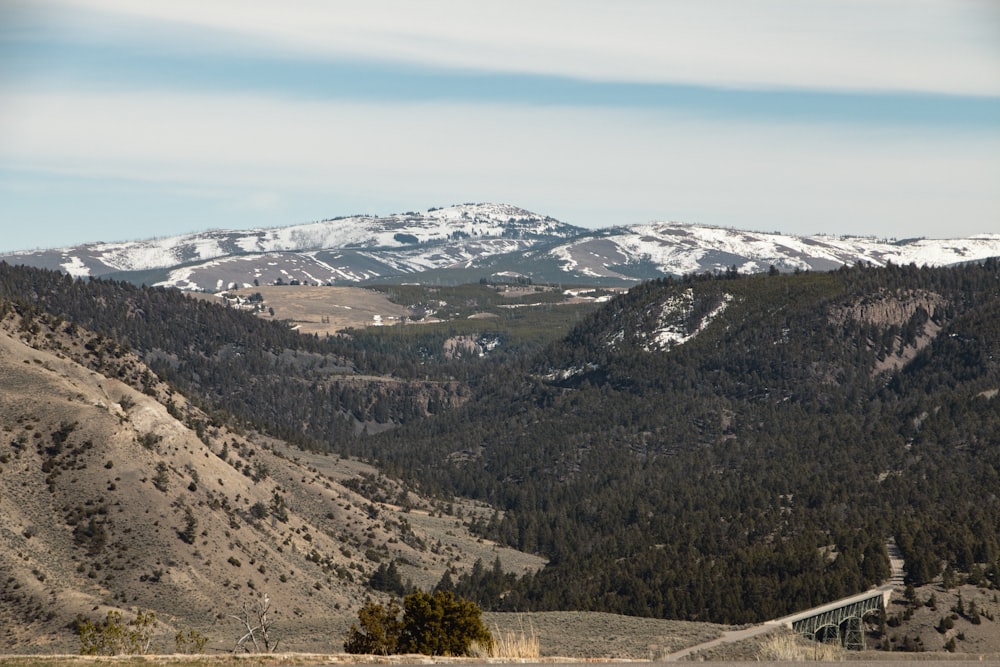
510, 644
322, 310
256, 660
238, 660
597, 635
791, 648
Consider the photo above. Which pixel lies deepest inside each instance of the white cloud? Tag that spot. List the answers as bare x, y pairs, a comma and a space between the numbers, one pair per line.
941, 46
590, 166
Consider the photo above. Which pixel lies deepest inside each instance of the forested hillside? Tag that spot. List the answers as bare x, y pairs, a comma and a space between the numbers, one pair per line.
316, 392
756, 468
723, 448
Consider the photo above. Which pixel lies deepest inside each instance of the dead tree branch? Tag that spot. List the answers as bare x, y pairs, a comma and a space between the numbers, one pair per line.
254, 619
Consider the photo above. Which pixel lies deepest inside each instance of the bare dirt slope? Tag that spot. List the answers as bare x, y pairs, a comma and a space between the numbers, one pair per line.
111, 497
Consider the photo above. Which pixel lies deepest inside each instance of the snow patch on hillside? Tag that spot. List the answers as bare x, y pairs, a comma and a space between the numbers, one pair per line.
673, 324
75, 267
567, 373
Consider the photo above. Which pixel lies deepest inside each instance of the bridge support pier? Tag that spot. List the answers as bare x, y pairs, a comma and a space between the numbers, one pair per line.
854, 637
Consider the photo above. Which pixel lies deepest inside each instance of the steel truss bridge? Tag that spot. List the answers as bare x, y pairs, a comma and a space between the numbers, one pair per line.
836, 622
840, 622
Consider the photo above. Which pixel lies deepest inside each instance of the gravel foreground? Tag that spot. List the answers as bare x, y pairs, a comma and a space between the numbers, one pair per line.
564, 638
315, 660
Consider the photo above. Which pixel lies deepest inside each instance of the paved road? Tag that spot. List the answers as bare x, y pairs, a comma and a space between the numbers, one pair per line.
895, 563
726, 638
591, 663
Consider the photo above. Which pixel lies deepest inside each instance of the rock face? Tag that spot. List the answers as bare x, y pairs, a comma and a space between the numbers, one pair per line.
896, 308
913, 319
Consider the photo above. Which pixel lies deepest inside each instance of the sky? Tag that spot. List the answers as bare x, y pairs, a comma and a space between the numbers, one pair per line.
124, 120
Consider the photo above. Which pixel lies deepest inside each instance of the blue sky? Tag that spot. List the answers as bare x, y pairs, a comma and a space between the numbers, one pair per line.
123, 119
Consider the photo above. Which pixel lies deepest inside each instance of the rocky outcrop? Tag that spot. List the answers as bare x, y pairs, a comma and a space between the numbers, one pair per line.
890, 308
917, 310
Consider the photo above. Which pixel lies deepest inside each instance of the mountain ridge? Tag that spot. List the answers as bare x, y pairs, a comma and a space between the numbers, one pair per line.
465, 242
449, 231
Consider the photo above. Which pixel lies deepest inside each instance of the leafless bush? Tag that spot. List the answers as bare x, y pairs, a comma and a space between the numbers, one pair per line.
256, 627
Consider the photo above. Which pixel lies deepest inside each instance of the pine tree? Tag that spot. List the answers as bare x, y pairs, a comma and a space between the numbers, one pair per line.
190, 532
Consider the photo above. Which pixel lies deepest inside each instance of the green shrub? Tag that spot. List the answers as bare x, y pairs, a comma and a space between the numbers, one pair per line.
945, 624
150, 440
379, 630
279, 510
161, 480
115, 637
190, 642
190, 531
387, 579
258, 511
433, 624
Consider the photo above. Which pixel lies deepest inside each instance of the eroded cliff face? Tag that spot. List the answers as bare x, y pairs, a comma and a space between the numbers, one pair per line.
911, 319
891, 307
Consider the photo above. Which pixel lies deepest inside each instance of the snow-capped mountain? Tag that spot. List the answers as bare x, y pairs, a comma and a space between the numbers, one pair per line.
347, 249
464, 242
678, 248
